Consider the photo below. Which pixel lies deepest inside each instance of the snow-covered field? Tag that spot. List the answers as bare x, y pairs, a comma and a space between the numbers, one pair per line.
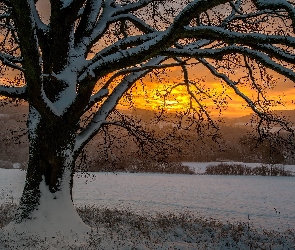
267, 202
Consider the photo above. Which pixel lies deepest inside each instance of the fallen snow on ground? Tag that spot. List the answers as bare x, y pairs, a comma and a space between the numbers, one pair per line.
154, 200
117, 229
265, 201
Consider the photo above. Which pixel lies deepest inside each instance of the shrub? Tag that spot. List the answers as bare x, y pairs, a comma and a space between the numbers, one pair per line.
140, 166
239, 169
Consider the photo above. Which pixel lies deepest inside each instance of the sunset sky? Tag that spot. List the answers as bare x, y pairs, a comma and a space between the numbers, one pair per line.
147, 93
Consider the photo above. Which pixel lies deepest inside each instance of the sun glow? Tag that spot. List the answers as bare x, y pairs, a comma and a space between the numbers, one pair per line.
218, 99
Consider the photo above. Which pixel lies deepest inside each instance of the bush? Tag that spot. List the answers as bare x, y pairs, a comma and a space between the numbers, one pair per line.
227, 169
239, 169
140, 166
271, 170
161, 167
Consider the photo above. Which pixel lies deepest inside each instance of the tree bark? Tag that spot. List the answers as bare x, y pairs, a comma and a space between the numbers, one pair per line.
51, 161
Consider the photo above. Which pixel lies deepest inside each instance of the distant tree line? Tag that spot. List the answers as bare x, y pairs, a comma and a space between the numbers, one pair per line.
239, 169
160, 149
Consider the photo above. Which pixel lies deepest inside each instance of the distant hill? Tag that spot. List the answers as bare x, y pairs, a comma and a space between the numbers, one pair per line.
289, 115
193, 146
145, 114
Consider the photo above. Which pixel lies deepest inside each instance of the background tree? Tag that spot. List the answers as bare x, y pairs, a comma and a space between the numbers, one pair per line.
91, 52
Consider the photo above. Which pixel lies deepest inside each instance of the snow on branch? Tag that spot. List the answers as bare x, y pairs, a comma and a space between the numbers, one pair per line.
123, 44
276, 52
110, 103
103, 92
123, 58
113, 12
139, 23
209, 32
96, 23
133, 6
97, 97
11, 61
89, 15
66, 3
14, 92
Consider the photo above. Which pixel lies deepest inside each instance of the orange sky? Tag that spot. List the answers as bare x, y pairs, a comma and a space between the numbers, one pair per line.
147, 94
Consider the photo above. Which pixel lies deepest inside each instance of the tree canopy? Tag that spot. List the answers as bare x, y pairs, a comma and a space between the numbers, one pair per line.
62, 61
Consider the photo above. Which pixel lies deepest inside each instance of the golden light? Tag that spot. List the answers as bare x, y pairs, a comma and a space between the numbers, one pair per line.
154, 93
153, 97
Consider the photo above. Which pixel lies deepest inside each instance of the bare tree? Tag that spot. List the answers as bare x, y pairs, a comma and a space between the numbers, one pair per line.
91, 52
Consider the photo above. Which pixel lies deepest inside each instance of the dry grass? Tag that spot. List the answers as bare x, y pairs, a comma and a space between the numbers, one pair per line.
6, 213
185, 228
124, 229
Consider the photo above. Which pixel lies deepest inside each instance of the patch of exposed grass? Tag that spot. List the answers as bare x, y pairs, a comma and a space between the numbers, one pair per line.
6, 213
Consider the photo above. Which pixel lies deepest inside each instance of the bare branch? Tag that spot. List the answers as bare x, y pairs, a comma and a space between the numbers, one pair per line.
276, 5
109, 104
260, 112
11, 61
218, 53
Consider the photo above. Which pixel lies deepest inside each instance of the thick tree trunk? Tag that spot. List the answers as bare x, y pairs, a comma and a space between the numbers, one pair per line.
51, 163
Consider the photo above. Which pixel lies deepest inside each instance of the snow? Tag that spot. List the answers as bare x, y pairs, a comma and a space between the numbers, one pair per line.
33, 121
16, 165
66, 3
12, 90
56, 218
101, 115
55, 214
68, 95
231, 198
267, 201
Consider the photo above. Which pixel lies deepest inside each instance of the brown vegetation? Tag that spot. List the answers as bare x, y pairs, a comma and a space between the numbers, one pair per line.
140, 166
239, 169
124, 229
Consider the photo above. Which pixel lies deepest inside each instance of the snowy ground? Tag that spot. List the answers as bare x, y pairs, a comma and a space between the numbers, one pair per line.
256, 202
266, 201
117, 229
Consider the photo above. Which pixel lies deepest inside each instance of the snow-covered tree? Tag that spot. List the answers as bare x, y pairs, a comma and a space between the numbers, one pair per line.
91, 52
